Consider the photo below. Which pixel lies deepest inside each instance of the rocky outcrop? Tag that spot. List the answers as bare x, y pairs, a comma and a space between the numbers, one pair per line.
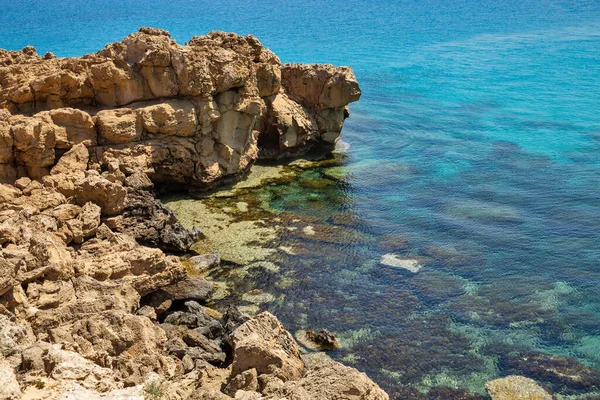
184, 115
90, 305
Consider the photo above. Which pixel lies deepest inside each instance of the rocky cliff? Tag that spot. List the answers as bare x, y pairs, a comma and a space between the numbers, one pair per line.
90, 305
187, 115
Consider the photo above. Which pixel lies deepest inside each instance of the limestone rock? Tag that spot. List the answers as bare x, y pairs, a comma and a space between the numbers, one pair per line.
193, 287
516, 388
106, 194
76, 159
174, 117
151, 223
70, 366
72, 126
263, 344
121, 125
204, 262
9, 387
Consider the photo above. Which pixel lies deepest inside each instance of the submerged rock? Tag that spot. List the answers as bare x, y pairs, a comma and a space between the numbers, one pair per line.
322, 339
516, 387
562, 374
397, 261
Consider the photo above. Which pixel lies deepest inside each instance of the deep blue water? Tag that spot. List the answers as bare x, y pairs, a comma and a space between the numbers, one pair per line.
478, 136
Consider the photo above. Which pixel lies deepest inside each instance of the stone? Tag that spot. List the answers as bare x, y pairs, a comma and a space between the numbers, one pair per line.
263, 344
121, 125
330, 381
90, 219
322, 339
9, 387
397, 261
73, 127
204, 262
193, 287
188, 363
70, 366
106, 194
516, 388
172, 118
139, 181
153, 224
247, 380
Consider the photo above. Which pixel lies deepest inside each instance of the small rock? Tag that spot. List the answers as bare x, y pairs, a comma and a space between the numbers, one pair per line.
177, 347
247, 380
323, 339
22, 183
394, 260
204, 262
188, 363
139, 181
148, 312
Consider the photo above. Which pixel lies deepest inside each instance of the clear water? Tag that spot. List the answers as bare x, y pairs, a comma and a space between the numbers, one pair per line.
475, 145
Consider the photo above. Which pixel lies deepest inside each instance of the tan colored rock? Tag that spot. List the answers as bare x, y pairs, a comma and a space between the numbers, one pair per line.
72, 127
320, 86
71, 366
9, 387
334, 381
268, 78
516, 388
6, 143
108, 195
121, 125
172, 118
8, 192
247, 380
90, 219
263, 344
76, 159
34, 140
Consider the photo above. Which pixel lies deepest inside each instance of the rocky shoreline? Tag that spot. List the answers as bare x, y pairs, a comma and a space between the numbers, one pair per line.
91, 306
94, 300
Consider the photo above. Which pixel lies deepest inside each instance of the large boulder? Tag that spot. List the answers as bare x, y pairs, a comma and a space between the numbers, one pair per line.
263, 344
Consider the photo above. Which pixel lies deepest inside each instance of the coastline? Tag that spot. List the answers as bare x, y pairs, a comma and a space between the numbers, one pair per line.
87, 308
156, 139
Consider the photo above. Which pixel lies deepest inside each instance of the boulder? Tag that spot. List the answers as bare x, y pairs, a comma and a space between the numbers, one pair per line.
263, 344
193, 288
121, 125
204, 262
76, 159
108, 195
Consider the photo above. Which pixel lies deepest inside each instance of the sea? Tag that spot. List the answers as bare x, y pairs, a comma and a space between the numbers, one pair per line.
473, 157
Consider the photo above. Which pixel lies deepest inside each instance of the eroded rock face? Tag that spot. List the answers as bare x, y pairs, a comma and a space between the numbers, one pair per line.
185, 115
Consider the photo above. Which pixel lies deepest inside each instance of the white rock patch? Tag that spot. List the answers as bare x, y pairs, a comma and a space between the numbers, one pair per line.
394, 260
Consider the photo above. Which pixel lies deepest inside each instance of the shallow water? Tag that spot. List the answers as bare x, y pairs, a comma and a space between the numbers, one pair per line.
474, 149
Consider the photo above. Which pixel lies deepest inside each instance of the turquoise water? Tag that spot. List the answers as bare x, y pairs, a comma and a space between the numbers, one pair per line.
475, 146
